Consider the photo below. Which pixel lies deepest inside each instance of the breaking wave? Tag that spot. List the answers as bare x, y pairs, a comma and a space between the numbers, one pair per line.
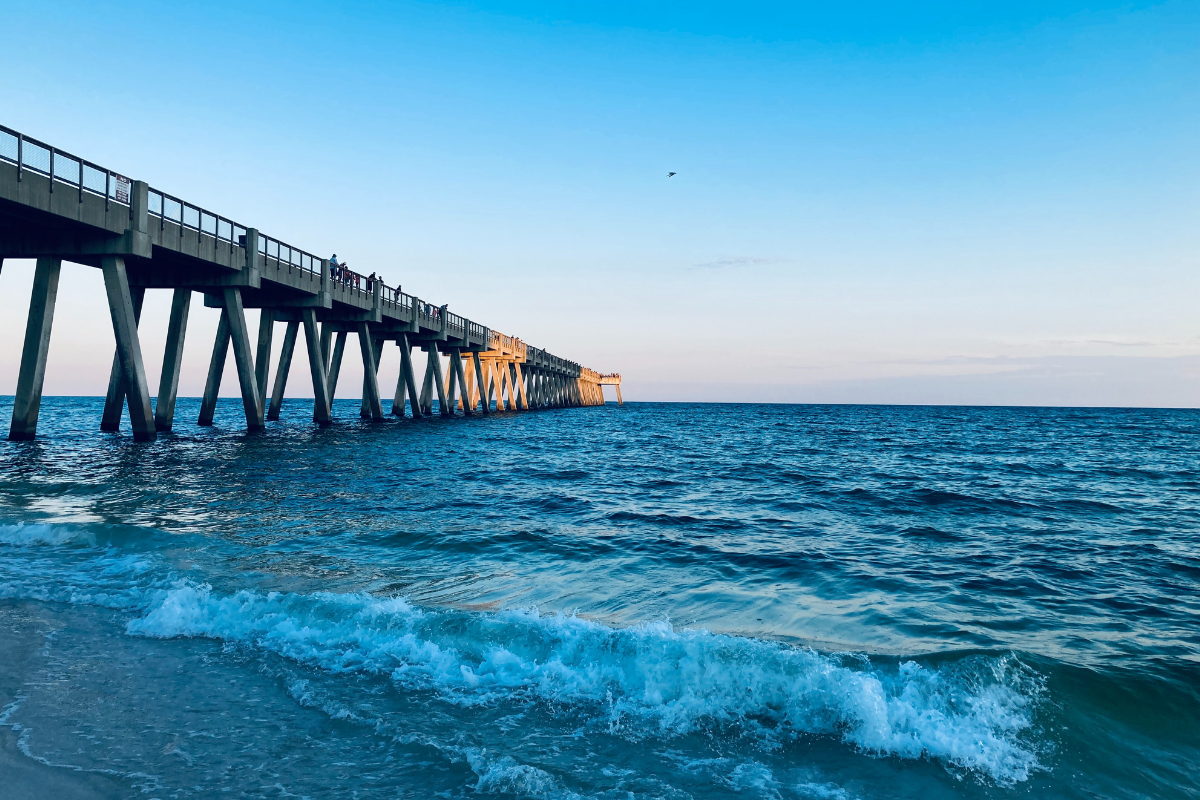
646, 680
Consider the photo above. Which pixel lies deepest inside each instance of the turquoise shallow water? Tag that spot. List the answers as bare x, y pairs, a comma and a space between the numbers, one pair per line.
664, 600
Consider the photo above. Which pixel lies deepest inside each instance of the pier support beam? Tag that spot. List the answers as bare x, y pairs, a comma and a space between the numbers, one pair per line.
371, 383
239, 337
114, 401
335, 365
316, 365
435, 361
326, 341
407, 379
519, 382
285, 366
401, 392
365, 410
464, 390
504, 379
493, 383
262, 358
216, 369
427, 388
28, 400
451, 389
168, 382
120, 305
485, 385
479, 379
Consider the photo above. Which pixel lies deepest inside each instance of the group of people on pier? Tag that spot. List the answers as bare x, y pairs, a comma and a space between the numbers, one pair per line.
339, 273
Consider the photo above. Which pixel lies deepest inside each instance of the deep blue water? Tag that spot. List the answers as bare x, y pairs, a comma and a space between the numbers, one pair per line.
656, 601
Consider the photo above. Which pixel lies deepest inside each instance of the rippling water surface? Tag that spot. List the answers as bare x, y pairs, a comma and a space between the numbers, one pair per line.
656, 601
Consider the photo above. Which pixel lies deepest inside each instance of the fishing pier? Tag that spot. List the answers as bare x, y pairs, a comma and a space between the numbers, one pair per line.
57, 207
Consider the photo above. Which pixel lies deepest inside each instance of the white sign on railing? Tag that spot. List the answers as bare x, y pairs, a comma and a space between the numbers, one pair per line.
122, 186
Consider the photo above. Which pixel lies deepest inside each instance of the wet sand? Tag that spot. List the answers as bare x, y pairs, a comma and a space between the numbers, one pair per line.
23, 778
23, 631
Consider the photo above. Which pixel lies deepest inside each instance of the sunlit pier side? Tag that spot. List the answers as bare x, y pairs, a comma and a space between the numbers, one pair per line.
57, 207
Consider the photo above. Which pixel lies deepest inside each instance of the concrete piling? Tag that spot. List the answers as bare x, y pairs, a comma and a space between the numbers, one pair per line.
243, 358
335, 364
168, 383
410, 379
120, 306
262, 357
364, 410
285, 366
367, 346
435, 361
464, 388
316, 365
28, 400
216, 369
114, 401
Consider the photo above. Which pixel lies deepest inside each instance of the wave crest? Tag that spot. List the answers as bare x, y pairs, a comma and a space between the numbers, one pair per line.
42, 533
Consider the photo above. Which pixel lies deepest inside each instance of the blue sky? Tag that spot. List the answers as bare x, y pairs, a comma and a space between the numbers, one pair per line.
875, 203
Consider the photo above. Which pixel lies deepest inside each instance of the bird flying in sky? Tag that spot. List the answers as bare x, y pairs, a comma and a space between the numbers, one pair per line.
671, 174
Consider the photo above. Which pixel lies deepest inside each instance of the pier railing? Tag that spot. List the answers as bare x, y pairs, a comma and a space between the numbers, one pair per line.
166, 209
456, 325
275, 250
62, 167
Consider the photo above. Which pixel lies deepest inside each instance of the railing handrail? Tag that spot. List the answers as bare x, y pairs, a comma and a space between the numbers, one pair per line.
110, 192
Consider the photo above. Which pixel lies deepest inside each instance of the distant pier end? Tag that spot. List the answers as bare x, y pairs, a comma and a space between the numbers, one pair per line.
610, 379
57, 207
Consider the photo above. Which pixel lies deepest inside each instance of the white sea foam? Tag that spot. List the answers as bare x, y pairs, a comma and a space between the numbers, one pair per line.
505, 775
646, 680
821, 791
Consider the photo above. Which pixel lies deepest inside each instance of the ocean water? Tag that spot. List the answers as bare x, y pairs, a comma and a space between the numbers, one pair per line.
655, 601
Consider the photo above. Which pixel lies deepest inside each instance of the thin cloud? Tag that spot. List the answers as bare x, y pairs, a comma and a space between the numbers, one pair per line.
740, 261
1119, 343
1109, 342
